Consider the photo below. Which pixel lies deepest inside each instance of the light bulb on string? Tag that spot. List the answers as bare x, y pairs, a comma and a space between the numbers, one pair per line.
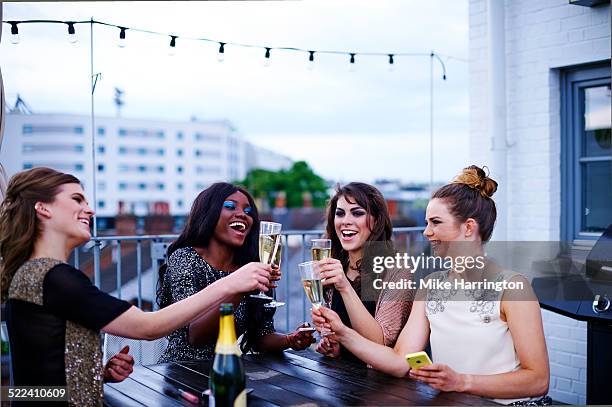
267, 61
311, 64
122, 42
72, 38
352, 63
172, 50
221, 53
391, 63
14, 32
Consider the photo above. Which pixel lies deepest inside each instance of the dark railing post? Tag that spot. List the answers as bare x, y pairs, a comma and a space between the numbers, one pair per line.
77, 263
96, 258
118, 252
303, 260
139, 270
284, 260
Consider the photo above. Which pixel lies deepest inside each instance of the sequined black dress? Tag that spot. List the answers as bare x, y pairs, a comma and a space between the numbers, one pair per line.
54, 315
187, 274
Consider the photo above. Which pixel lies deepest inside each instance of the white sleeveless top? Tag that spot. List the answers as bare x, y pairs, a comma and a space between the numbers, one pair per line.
467, 332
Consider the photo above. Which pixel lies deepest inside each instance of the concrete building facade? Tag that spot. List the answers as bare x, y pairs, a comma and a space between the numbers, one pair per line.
142, 166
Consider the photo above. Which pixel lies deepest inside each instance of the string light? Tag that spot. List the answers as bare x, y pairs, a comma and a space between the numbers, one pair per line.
72, 38
221, 54
172, 50
14, 32
352, 61
311, 64
267, 60
391, 63
122, 41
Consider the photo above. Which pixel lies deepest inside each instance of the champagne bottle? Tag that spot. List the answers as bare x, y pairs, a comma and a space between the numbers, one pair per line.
227, 381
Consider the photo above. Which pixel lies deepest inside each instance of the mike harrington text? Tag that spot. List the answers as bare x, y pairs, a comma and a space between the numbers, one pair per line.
433, 284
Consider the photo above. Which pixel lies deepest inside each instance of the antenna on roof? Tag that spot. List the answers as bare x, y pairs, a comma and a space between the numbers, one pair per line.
119, 100
21, 106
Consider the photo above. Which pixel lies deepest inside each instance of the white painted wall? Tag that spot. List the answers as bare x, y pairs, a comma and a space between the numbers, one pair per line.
541, 36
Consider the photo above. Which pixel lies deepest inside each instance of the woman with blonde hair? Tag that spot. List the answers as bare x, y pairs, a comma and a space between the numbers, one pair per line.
54, 312
485, 342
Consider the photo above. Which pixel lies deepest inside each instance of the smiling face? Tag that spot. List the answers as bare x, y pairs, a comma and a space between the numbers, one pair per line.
443, 228
69, 214
352, 224
235, 220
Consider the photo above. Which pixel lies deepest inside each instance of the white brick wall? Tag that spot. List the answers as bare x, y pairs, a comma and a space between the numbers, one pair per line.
566, 342
540, 36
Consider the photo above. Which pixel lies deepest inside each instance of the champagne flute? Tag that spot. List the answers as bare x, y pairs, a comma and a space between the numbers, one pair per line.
276, 262
269, 242
310, 273
321, 249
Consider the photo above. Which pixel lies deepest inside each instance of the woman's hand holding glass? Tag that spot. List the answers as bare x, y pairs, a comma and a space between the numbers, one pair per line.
326, 319
329, 347
250, 277
300, 339
333, 273
275, 275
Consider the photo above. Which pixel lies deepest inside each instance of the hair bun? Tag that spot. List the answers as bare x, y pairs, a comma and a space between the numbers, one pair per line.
475, 178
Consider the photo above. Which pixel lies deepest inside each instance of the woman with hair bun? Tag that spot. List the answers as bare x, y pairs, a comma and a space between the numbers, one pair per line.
485, 342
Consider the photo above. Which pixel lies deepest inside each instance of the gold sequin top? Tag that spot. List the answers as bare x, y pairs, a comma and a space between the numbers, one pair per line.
54, 316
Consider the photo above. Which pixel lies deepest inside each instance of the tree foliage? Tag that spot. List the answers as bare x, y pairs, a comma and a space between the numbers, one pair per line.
295, 181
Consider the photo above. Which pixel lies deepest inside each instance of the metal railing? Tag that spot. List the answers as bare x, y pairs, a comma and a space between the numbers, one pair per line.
122, 256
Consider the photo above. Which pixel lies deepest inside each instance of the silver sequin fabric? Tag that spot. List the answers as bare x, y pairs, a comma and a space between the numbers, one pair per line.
82, 353
187, 274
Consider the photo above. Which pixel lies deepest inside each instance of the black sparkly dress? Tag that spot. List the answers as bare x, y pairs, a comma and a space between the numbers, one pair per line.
187, 274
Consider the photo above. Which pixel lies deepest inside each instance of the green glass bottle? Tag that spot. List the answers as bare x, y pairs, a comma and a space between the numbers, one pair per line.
227, 381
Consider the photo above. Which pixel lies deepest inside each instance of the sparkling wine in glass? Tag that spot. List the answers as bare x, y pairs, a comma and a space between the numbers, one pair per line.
269, 245
276, 262
311, 281
321, 249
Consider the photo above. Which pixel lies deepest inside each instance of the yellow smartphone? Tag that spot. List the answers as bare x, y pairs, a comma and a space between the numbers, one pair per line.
418, 359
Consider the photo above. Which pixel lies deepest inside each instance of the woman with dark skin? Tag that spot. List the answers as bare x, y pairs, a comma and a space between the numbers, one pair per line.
220, 235
54, 312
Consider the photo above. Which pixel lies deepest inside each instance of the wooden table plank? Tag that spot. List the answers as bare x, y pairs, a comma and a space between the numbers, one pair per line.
294, 391
362, 376
155, 382
331, 386
115, 398
291, 378
197, 382
139, 391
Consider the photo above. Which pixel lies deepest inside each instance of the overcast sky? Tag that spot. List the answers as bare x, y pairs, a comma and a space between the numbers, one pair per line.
361, 125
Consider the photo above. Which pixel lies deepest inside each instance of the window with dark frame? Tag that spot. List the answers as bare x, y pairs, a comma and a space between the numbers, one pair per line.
586, 152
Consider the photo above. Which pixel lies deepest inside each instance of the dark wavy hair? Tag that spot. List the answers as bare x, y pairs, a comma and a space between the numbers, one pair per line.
199, 229
372, 200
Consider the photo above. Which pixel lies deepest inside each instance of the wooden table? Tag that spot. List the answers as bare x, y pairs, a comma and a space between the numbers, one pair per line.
291, 378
